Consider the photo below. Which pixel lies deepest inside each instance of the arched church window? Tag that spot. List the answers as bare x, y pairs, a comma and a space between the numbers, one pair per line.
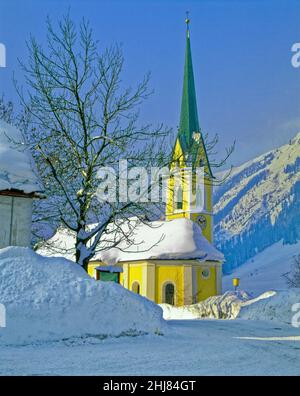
135, 287
169, 294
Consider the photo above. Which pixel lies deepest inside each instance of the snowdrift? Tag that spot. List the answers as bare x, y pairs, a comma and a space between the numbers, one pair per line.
49, 299
277, 308
269, 306
226, 306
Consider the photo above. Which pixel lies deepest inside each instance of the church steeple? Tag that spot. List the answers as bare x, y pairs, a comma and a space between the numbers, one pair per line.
189, 152
189, 122
189, 133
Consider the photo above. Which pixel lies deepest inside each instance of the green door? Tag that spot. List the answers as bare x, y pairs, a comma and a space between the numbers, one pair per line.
109, 276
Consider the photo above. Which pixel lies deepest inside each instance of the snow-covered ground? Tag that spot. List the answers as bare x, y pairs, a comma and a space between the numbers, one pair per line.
62, 322
265, 271
279, 307
197, 347
226, 306
230, 304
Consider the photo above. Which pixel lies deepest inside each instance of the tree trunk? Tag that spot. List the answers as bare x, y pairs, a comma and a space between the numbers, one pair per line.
85, 265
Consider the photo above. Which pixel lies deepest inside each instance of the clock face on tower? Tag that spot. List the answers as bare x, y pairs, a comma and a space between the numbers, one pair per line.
201, 220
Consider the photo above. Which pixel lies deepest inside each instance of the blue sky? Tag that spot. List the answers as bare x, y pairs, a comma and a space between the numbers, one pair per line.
246, 87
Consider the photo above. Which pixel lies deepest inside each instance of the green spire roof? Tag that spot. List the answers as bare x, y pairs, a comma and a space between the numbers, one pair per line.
189, 122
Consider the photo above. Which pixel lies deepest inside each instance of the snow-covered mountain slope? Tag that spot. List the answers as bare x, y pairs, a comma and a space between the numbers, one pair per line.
266, 270
259, 205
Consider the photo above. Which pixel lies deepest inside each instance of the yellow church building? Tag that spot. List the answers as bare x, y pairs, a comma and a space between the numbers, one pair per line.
169, 261
173, 261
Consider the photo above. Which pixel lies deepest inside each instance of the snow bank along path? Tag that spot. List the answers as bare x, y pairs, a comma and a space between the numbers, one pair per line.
269, 306
226, 306
52, 298
282, 307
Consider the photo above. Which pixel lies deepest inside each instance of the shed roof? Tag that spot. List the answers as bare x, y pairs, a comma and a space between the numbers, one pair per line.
109, 268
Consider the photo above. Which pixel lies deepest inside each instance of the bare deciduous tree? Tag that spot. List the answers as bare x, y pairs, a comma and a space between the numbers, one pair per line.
81, 119
6, 110
293, 277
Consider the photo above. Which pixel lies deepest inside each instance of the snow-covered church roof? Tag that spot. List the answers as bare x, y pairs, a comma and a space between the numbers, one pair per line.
16, 171
179, 239
163, 240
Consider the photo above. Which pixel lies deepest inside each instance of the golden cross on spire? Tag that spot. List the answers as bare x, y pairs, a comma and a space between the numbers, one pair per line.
187, 19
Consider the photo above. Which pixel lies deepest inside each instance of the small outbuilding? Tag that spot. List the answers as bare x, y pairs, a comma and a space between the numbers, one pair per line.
108, 273
19, 185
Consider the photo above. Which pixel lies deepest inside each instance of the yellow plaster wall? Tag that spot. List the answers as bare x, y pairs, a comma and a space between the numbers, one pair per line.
135, 274
208, 195
173, 213
152, 285
178, 159
91, 268
121, 278
206, 287
208, 231
173, 274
